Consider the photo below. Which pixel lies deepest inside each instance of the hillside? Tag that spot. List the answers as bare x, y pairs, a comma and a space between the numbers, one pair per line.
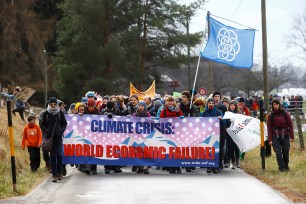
26, 180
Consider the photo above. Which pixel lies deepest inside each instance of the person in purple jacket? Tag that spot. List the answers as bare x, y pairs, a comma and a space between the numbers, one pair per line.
280, 132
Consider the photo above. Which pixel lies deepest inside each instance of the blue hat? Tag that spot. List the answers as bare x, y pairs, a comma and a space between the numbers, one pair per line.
142, 103
90, 94
84, 100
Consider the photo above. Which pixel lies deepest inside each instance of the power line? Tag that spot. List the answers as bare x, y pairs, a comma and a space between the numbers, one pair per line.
236, 9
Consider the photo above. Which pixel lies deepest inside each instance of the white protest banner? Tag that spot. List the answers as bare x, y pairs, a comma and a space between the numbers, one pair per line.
244, 130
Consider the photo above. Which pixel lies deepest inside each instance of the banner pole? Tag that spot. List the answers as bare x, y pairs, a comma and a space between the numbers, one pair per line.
196, 74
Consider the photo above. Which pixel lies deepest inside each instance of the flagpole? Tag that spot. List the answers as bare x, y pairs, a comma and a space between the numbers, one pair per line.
196, 74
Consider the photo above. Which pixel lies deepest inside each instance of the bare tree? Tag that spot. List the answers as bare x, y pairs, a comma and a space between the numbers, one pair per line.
298, 36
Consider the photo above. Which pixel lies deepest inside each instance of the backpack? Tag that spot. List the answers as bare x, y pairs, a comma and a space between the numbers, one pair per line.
272, 116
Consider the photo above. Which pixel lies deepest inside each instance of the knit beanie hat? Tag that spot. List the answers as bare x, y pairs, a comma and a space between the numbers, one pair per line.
106, 97
142, 103
210, 100
224, 99
84, 100
157, 104
91, 102
52, 100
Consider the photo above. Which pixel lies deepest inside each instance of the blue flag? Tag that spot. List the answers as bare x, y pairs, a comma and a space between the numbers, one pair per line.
229, 45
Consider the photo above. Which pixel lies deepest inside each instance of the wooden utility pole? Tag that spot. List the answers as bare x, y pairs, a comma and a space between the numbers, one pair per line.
264, 54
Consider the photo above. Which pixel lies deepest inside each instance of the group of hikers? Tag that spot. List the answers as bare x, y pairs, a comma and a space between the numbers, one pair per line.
52, 123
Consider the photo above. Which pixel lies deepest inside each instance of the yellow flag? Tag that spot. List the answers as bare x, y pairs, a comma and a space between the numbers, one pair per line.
150, 92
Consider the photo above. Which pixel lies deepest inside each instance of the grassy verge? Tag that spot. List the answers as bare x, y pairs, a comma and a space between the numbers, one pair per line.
26, 180
292, 184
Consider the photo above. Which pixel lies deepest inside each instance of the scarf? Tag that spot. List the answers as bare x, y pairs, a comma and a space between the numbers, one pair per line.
142, 113
53, 111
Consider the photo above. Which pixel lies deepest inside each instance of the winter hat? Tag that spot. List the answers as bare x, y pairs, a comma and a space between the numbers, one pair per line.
187, 94
72, 106
157, 104
225, 99
84, 100
90, 94
241, 99
59, 102
210, 100
142, 103
157, 96
98, 103
52, 100
91, 102
106, 97
216, 93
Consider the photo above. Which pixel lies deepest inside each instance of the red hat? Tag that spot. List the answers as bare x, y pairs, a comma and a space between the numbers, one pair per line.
98, 103
91, 102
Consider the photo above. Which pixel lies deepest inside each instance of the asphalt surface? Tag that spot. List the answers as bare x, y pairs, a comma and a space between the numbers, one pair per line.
158, 187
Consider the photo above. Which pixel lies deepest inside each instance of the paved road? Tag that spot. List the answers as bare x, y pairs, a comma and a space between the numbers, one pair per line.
230, 186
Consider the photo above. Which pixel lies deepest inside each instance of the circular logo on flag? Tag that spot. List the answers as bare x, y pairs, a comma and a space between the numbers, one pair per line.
202, 91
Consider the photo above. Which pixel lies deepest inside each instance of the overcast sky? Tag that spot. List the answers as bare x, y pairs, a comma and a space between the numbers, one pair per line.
280, 16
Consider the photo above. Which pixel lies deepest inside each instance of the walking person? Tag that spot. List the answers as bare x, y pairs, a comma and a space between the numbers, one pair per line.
212, 111
32, 139
280, 132
171, 110
55, 119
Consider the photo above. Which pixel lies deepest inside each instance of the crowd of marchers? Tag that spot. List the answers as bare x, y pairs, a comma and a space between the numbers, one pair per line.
52, 123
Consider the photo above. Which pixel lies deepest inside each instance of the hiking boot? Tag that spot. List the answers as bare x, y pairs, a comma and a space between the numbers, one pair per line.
64, 171
215, 171
234, 165
134, 168
117, 170
87, 171
208, 170
60, 177
139, 171
171, 171
179, 171
54, 179
238, 163
146, 171
226, 165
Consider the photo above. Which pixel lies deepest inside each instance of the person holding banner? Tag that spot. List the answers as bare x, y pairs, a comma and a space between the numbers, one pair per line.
280, 132
188, 111
91, 109
212, 111
171, 110
132, 106
233, 149
142, 111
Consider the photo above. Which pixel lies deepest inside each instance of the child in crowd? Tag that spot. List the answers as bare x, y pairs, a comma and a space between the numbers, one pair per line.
32, 139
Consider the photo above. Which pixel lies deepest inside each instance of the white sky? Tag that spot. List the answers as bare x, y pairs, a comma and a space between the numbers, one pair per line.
280, 16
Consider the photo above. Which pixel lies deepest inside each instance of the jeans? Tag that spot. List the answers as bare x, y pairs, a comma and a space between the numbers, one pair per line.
56, 156
20, 111
281, 147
